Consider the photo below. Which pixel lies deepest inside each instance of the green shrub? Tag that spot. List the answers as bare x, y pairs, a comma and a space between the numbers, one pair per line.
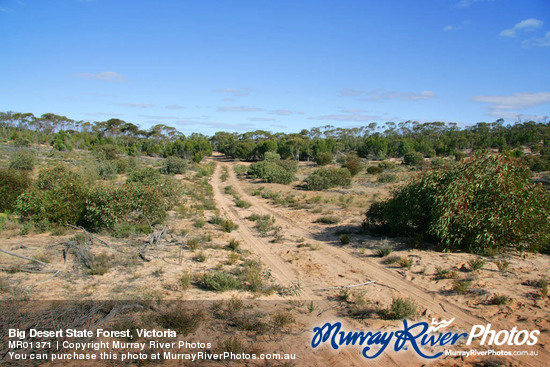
386, 165
482, 204
271, 171
476, 264
499, 299
107, 170
387, 178
327, 220
353, 163
107, 205
184, 320
323, 158
108, 152
502, 265
462, 286
12, 184
122, 165
374, 170
219, 281
58, 196
173, 165
344, 239
242, 204
271, 156
228, 225
413, 159
441, 273
23, 159
392, 259
383, 250
288, 164
401, 308
146, 175
405, 262
325, 178
233, 245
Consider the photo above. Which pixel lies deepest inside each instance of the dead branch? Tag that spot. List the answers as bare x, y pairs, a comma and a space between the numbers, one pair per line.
23, 257
346, 286
28, 270
89, 234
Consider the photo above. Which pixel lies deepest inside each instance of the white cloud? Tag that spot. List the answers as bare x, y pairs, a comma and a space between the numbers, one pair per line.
508, 106
237, 92
353, 110
238, 109
282, 112
537, 42
527, 25
154, 117
468, 3
380, 95
110, 76
3, 9
97, 114
515, 101
262, 119
174, 107
136, 105
350, 117
349, 92
450, 28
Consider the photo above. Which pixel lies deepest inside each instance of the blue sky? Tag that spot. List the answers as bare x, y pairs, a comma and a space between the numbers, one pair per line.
207, 66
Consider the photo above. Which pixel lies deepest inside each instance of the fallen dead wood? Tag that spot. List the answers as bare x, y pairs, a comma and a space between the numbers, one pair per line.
89, 234
346, 286
23, 257
27, 270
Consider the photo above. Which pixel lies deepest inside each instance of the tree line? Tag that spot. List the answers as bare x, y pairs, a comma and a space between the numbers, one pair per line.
374, 141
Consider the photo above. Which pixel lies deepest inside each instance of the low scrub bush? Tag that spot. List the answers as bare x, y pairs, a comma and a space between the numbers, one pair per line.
219, 281
499, 299
107, 170
325, 178
327, 220
228, 225
387, 177
184, 320
344, 239
401, 308
271, 171
173, 165
12, 184
462, 286
476, 263
374, 170
23, 159
58, 196
413, 159
482, 204
383, 250
323, 158
353, 163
